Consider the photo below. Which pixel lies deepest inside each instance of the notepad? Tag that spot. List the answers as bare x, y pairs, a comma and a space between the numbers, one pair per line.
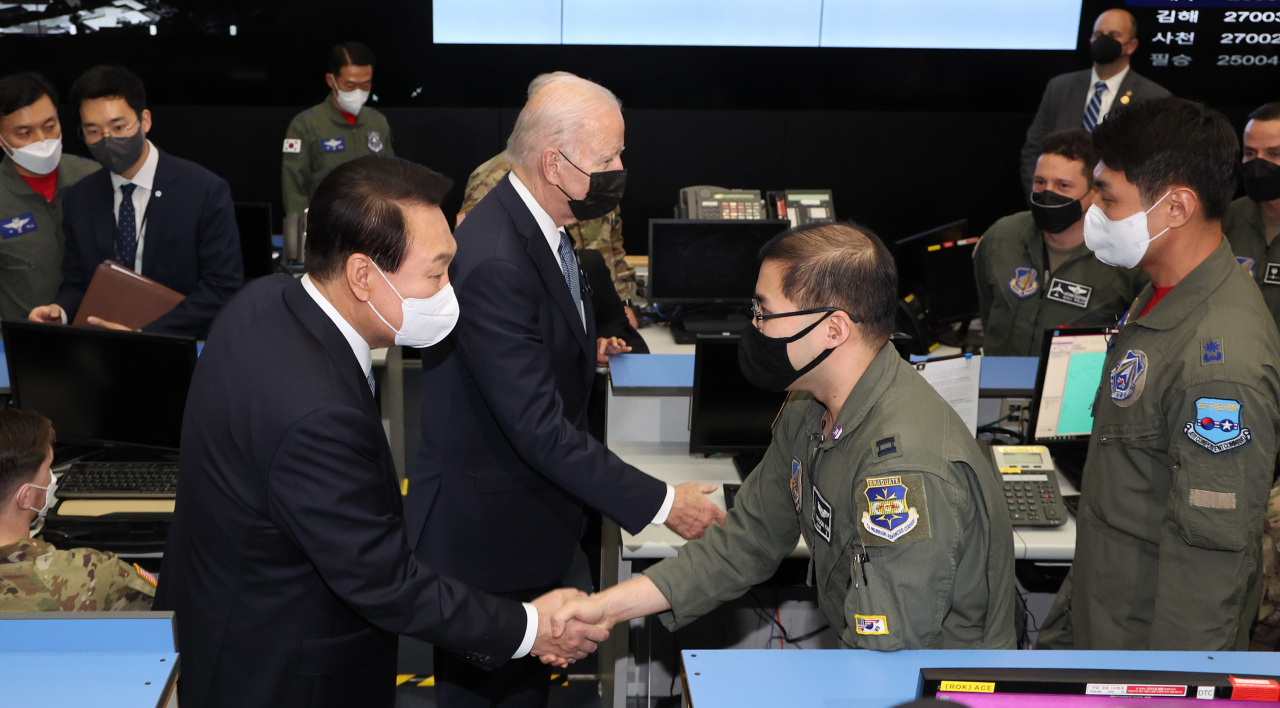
956, 380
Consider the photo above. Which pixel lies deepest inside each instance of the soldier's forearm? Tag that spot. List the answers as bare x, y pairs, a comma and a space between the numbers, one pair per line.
637, 597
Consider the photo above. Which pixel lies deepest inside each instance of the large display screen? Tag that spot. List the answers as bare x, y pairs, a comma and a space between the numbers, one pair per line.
915, 24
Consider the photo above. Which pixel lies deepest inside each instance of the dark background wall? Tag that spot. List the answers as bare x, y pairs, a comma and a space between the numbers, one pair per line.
906, 139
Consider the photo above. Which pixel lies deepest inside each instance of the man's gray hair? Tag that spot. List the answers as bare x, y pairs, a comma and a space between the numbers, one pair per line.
554, 115
543, 79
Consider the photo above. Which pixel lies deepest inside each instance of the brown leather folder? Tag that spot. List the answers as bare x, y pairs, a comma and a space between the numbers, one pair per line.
117, 294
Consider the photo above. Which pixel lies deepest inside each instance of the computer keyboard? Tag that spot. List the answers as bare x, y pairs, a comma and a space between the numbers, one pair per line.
119, 480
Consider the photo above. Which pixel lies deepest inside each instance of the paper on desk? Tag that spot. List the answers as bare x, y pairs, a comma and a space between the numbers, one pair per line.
956, 380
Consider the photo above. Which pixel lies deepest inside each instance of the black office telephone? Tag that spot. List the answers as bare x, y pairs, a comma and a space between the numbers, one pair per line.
708, 202
802, 206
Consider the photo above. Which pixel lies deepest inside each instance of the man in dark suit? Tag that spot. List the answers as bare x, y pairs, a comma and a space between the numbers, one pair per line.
505, 468
1082, 99
288, 563
161, 216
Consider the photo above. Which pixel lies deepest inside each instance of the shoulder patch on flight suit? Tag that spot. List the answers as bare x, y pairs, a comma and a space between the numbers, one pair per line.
1211, 352
893, 509
795, 482
1246, 263
292, 145
1218, 426
17, 226
1272, 276
334, 145
886, 448
1024, 283
1128, 378
374, 141
1069, 293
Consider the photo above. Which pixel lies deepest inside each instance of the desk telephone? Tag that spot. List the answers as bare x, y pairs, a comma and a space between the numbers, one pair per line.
802, 206
708, 202
1030, 485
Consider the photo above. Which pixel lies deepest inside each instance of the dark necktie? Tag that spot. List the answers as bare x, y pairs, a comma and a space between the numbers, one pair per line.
127, 228
569, 264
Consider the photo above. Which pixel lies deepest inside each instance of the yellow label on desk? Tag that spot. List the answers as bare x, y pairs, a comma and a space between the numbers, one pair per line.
1010, 470
968, 686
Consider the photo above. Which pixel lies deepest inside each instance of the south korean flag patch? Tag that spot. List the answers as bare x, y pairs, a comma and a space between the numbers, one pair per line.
1069, 293
293, 145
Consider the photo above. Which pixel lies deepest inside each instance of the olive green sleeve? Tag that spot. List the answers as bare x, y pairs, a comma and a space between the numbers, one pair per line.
983, 281
1223, 451
388, 146
759, 532
295, 173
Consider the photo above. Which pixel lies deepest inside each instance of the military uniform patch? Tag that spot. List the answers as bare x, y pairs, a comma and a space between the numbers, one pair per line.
821, 515
795, 482
1272, 276
893, 509
1211, 352
374, 141
1128, 378
870, 624
293, 145
1024, 283
334, 145
1069, 293
887, 447
17, 226
1217, 427
1246, 263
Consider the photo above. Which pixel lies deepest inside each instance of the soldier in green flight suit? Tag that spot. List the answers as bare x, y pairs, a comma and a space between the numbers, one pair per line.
1187, 419
911, 545
34, 174
1033, 269
1253, 221
338, 129
35, 576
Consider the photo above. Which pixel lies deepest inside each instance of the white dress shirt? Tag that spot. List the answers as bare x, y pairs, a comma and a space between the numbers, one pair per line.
1109, 95
141, 197
363, 355
552, 233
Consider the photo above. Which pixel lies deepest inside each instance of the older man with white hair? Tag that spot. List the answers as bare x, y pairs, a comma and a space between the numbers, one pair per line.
506, 466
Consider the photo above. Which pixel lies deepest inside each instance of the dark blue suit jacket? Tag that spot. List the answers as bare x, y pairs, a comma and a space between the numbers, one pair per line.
191, 243
506, 462
287, 563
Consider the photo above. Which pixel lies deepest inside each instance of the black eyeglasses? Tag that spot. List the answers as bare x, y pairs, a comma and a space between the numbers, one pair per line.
758, 318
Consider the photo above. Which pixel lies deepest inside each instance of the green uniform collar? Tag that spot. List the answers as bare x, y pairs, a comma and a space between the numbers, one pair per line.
870, 387
1189, 294
24, 549
11, 180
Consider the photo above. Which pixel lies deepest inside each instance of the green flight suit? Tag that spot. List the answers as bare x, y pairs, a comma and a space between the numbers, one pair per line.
911, 543
1244, 229
1018, 298
1185, 431
318, 140
31, 239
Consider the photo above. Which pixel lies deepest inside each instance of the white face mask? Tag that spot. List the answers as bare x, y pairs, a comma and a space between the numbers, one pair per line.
41, 158
1120, 243
49, 498
352, 101
426, 321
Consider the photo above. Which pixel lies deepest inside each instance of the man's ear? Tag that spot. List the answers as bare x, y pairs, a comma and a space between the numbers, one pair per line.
146, 120
551, 162
839, 329
1184, 204
359, 271
328, 79
25, 496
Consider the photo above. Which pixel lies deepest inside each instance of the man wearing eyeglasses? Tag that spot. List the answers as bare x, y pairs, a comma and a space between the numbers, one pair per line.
912, 547
160, 216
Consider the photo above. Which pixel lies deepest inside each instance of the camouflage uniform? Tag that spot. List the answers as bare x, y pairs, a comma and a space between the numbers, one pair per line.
1266, 630
36, 577
603, 234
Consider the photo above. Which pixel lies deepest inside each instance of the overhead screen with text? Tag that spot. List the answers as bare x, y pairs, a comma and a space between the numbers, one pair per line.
908, 24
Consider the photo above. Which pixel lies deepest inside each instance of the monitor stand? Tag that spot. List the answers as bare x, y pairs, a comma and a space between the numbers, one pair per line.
745, 462
715, 319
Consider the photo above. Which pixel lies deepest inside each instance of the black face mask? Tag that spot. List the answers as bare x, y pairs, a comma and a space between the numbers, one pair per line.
1105, 49
603, 193
1053, 212
764, 360
1262, 180
118, 154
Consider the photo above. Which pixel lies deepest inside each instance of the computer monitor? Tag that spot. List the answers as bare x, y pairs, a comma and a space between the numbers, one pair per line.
729, 415
938, 266
254, 221
1071, 370
707, 261
101, 386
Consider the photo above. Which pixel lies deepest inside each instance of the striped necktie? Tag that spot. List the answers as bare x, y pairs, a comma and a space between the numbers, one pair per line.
569, 264
369, 378
1095, 107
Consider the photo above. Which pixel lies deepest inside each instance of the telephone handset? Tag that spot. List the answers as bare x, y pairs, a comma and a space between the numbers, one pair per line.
803, 206
708, 202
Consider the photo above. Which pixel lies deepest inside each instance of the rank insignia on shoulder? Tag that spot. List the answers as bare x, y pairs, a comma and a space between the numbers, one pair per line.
1211, 352
1128, 378
871, 624
1024, 283
888, 513
1217, 427
1272, 275
887, 447
1246, 263
795, 482
293, 145
334, 145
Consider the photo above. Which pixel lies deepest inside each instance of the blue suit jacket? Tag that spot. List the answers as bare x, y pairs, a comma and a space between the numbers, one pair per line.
288, 563
191, 243
505, 462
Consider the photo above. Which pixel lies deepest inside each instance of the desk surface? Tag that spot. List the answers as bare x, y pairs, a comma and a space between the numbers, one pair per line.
102, 680
837, 678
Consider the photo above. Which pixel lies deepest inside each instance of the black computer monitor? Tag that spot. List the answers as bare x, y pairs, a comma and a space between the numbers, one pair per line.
729, 415
254, 221
937, 265
1071, 370
101, 386
707, 261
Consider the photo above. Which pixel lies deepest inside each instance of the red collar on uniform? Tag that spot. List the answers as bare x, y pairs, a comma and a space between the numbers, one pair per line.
1160, 293
351, 120
43, 184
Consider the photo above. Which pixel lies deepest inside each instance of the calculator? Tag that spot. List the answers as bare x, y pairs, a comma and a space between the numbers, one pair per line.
1030, 485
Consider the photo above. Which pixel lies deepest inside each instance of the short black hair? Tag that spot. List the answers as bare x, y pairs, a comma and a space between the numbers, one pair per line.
1073, 144
349, 54
1165, 142
25, 440
840, 265
17, 91
110, 80
1267, 111
358, 208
